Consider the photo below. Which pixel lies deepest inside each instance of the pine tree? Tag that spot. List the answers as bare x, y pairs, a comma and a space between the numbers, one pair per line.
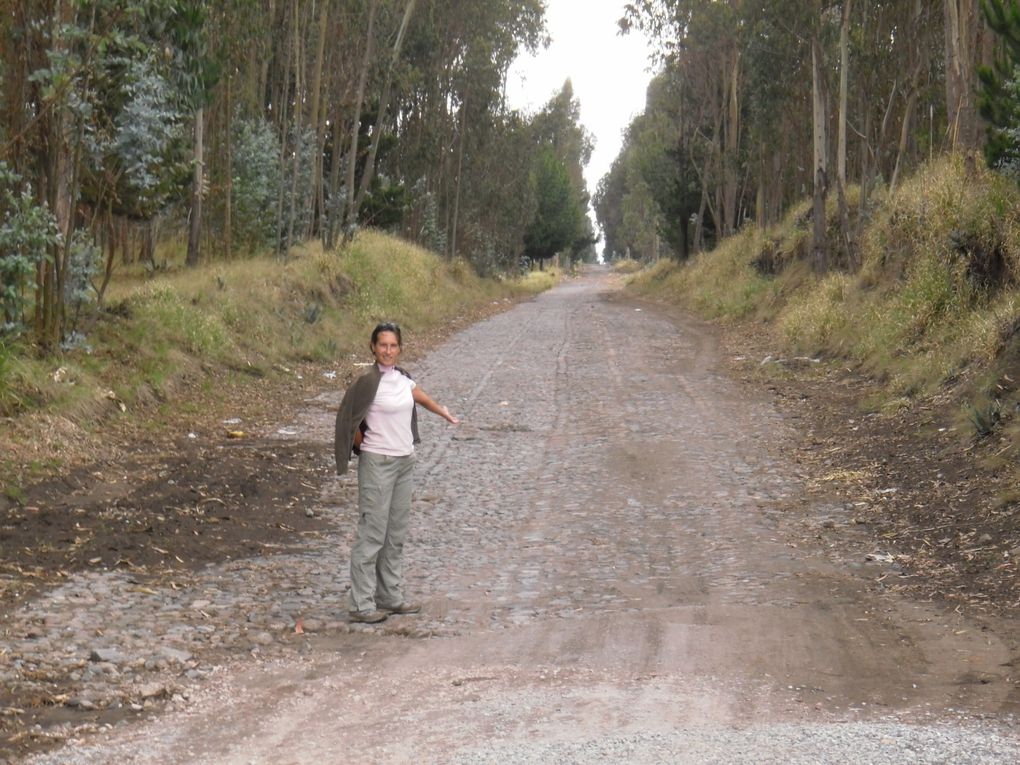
999, 99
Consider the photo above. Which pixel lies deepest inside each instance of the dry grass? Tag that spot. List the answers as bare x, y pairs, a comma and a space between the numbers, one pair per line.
627, 266
931, 301
720, 284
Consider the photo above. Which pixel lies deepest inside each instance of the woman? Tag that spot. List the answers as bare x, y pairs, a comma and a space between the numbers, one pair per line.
378, 420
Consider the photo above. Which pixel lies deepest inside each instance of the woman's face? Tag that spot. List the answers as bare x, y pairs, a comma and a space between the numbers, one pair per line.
386, 348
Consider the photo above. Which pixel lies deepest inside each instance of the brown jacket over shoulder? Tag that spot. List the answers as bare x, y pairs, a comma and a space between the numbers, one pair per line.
353, 408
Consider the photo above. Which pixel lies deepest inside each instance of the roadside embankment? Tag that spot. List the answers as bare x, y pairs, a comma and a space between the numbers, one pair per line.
181, 341
899, 360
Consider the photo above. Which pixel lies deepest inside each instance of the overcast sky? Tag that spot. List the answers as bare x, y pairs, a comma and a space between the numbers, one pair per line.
609, 71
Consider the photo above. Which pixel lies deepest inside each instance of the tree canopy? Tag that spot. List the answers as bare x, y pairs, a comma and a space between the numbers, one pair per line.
254, 124
757, 105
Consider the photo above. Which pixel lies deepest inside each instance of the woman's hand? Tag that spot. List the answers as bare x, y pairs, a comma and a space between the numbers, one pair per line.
423, 398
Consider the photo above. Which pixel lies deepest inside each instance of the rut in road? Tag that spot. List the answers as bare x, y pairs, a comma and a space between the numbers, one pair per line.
600, 549
603, 467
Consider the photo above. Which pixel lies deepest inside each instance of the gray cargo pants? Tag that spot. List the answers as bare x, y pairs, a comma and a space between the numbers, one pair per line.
384, 504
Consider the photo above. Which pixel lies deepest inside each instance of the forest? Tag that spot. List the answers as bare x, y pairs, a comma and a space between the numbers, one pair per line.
248, 126
218, 131
757, 106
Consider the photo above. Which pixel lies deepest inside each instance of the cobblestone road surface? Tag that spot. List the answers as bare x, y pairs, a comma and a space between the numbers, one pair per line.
604, 563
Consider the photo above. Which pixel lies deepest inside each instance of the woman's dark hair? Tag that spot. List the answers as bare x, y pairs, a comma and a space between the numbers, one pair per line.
387, 326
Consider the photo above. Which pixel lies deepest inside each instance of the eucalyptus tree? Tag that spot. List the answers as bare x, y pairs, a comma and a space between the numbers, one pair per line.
556, 224
627, 213
969, 45
608, 210
668, 158
558, 132
707, 42
873, 87
465, 156
96, 92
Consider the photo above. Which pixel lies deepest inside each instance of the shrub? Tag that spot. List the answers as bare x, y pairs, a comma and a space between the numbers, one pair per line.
256, 182
27, 231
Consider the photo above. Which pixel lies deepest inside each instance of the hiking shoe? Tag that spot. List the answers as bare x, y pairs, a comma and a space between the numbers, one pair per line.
407, 607
373, 616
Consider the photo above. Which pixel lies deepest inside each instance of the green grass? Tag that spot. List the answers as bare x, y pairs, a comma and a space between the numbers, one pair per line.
13, 476
932, 302
720, 285
160, 335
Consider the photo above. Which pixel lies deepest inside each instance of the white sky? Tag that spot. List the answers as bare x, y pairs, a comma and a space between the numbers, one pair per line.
609, 71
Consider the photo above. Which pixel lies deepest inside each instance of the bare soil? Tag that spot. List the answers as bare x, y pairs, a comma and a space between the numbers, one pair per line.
160, 493
913, 484
906, 490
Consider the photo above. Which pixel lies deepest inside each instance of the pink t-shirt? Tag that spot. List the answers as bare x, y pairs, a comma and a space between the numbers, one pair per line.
389, 416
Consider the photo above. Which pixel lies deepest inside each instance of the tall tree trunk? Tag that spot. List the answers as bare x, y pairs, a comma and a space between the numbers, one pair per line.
706, 198
968, 43
228, 195
865, 146
457, 180
110, 225
352, 152
699, 225
776, 202
195, 230
862, 206
335, 209
263, 96
911, 105
318, 120
384, 101
299, 93
731, 145
283, 126
60, 184
147, 253
685, 232
821, 159
844, 65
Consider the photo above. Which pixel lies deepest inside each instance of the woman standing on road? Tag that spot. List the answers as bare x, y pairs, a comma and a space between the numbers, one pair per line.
378, 420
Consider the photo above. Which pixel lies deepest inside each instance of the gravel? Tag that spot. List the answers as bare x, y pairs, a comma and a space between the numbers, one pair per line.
786, 744
548, 544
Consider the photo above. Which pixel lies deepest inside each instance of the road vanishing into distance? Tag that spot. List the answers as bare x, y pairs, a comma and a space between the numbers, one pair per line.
608, 574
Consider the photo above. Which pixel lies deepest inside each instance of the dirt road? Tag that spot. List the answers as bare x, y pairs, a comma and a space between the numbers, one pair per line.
608, 575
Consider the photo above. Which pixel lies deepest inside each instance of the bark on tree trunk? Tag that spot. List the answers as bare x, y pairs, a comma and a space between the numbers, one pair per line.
820, 166
844, 63
148, 251
911, 105
335, 207
283, 127
460, 164
57, 193
299, 91
111, 254
195, 230
352, 153
318, 120
384, 102
968, 43
865, 146
731, 131
262, 88
228, 201
699, 226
